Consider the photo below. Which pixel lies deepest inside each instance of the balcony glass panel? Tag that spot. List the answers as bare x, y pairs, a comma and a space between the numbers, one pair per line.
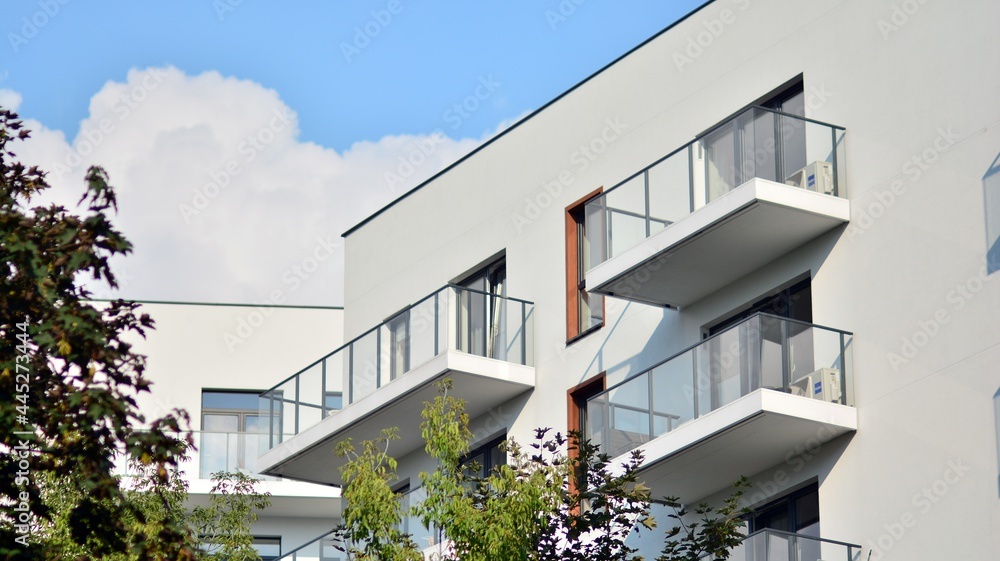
625, 215
762, 351
757, 143
628, 415
669, 192
453, 318
774, 545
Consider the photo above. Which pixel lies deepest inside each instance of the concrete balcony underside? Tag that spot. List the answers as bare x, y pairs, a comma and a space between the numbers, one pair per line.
718, 244
484, 383
756, 432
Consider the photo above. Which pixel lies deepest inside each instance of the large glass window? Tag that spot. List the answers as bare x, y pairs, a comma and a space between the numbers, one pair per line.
482, 328
584, 311
796, 512
231, 425
481, 461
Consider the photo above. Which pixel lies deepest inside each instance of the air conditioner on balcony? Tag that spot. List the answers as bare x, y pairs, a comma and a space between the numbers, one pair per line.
823, 384
817, 176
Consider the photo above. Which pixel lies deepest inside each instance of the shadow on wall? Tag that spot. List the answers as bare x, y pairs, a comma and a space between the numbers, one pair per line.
991, 198
652, 352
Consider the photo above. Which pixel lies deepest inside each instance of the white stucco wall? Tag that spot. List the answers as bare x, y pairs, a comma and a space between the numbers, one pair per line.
915, 84
235, 347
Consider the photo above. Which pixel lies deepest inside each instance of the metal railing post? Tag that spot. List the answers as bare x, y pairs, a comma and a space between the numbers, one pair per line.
645, 184
297, 405
833, 153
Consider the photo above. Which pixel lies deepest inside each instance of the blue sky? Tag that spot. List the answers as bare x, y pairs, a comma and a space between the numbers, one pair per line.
374, 73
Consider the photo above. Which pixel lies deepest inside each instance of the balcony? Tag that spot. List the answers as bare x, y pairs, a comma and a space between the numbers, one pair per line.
325, 547
774, 545
735, 404
482, 342
237, 452
749, 191
322, 548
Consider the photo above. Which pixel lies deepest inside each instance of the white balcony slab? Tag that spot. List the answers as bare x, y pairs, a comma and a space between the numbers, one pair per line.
753, 433
719, 243
483, 382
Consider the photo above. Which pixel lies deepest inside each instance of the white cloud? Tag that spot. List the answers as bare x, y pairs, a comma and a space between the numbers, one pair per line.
10, 99
220, 198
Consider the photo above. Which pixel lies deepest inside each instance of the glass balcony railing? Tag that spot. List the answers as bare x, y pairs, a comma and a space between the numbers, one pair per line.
453, 318
218, 451
229, 451
423, 537
758, 142
762, 351
774, 545
324, 547
319, 549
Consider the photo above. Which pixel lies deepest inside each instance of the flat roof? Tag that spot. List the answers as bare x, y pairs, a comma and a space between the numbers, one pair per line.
519, 122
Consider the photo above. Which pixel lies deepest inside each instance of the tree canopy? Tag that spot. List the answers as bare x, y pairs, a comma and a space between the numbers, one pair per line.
68, 376
558, 498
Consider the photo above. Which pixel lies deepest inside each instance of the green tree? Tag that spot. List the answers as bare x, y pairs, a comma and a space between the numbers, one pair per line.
157, 504
373, 512
219, 531
558, 499
224, 526
68, 378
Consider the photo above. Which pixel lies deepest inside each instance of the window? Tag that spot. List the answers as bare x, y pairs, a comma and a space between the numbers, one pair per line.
797, 512
778, 341
794, 302
268, 548
577, 414
991, 194
584, 311
231, 428
757, 144
399, 345
485, 458
482, 315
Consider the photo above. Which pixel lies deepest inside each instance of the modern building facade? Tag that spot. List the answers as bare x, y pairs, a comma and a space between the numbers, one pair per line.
754, 245
213, 361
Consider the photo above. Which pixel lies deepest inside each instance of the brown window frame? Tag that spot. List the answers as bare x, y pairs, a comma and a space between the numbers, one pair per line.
573, 280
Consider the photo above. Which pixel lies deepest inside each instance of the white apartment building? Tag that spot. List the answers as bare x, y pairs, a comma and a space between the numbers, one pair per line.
753, 245
213, 360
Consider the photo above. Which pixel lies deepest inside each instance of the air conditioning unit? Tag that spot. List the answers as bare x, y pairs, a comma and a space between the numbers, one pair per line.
823, 384
817, 176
